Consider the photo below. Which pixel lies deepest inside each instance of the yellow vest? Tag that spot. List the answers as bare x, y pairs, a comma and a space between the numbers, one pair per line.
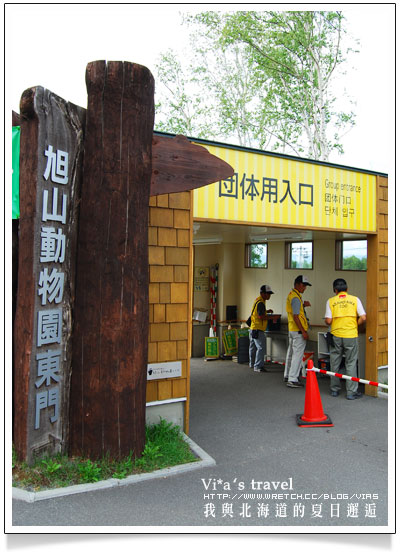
344, 315
302, 316
256, 322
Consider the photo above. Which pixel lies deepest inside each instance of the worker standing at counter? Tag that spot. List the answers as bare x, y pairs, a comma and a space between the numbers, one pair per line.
298, 327
344, 313
259, 321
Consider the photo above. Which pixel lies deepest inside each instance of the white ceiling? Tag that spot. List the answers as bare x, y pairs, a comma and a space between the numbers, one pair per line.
216, 232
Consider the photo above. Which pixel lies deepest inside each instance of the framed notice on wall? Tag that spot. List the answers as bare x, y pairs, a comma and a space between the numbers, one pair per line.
201, 279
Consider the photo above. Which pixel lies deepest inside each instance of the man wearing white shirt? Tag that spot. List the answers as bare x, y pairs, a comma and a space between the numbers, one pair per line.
344, 313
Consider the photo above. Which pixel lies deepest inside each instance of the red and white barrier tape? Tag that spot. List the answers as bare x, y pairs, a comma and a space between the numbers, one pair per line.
356, 379
214, 290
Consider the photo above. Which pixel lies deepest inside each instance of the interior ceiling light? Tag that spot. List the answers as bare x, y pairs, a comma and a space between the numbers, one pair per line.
261, 238
205, 241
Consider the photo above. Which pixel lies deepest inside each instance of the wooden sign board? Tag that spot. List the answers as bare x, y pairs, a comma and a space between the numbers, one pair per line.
51, 153
124, 164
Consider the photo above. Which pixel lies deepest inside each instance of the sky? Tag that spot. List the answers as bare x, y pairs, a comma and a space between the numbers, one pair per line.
51, 44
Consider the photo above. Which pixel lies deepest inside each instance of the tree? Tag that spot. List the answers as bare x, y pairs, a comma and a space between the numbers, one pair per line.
354, 263
181, 106
269, 76
213, 96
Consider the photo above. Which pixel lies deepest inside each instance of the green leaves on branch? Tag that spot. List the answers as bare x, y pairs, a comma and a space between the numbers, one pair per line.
262, 79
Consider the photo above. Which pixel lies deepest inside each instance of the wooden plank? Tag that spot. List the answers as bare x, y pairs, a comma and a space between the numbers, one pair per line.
383, 206
179, 165
15, 119
164, 389
112, 308
383, 304
372, 347
179, 388
382, 331
383, 193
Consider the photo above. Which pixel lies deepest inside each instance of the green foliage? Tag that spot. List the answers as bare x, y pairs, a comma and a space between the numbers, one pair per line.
164, 447
183, 109
258, 256
50, 466
149, 457
354, 263
89, 471
123, 468
262, 77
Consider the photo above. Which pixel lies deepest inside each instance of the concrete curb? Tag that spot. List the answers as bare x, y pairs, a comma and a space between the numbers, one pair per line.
32, 496
383, 395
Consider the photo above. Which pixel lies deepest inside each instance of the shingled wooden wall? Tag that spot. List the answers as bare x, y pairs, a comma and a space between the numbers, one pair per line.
170, 292
377, 290
383, 304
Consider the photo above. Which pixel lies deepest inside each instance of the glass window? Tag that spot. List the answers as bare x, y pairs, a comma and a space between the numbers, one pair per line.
351, 255
299, 255
256, 256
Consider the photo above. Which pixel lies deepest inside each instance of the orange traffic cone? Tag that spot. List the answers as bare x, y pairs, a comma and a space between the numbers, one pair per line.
313, 412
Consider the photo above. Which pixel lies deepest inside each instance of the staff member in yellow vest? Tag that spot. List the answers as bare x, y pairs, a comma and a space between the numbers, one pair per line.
259, 321
298, 327
344, 313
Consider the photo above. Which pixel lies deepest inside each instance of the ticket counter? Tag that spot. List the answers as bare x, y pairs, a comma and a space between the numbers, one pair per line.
277, 200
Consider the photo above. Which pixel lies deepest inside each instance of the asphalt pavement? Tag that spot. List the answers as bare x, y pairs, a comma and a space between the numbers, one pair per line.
265, 473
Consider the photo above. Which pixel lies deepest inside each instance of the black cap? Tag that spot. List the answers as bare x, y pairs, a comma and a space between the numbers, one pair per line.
303, 279
265, 289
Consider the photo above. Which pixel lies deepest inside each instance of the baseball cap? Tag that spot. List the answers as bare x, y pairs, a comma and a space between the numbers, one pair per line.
266, 289
303, 279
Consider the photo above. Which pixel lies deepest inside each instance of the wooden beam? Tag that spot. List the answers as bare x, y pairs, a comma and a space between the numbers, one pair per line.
179, 165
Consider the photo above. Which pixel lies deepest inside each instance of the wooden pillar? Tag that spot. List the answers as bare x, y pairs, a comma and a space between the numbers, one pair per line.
377, 291
108, 385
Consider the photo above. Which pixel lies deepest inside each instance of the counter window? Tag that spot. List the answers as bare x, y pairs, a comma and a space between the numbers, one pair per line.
256, 256
299, 255
351, 255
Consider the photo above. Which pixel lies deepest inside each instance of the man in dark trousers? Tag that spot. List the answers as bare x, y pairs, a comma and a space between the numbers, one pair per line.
298, 331
344, 313
259, 321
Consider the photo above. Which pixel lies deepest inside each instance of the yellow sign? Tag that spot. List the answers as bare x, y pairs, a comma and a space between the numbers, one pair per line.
275, 190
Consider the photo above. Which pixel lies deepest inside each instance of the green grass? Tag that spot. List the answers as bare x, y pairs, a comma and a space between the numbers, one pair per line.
164, 447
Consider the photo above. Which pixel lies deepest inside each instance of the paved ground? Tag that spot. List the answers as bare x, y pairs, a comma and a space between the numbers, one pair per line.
269, 472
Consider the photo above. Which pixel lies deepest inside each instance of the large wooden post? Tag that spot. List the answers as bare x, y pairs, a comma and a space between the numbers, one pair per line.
108, 385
